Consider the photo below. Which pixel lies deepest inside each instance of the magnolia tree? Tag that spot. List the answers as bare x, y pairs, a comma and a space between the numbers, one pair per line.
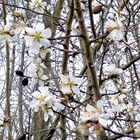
69, 69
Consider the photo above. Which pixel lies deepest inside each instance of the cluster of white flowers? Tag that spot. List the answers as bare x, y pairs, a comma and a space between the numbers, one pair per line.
120, 103
37, 37
44, 100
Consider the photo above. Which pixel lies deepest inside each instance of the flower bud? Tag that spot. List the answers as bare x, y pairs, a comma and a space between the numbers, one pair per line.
97, 9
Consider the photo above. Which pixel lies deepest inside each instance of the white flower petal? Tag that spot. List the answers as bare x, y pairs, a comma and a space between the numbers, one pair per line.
36, 109
90, 108
43, 4
30, 31
36, 94
103, 122
49, 7
40, 72
41, 83
44, 77
111, 24
45, 42
46, 33
29, 39
40, 27
35, 47
43, 89
34, 104
116, 35
48, 100
42, 66
100, 104
46, 116
64, 78
50, 112
34, 81
75, 80
75, 89
66, 89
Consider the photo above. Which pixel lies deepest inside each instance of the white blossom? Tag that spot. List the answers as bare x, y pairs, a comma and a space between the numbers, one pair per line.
39, 77
37, 37
95, 113
70, 84
116, 29
37, 63
118, 99
38, 5
132, 109
40, 98
117, 102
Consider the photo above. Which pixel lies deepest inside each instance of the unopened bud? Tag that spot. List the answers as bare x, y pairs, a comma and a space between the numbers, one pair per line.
97, 9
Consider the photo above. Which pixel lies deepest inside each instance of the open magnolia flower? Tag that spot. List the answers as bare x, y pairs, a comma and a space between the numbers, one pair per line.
37, 37
41, 97
117, 102
115, 28
37, 63
70, 84
43, 100
38, 5
132, 110
39, 77
118, 99
95, 113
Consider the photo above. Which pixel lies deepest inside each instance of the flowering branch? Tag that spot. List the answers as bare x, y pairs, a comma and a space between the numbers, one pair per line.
87, 52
